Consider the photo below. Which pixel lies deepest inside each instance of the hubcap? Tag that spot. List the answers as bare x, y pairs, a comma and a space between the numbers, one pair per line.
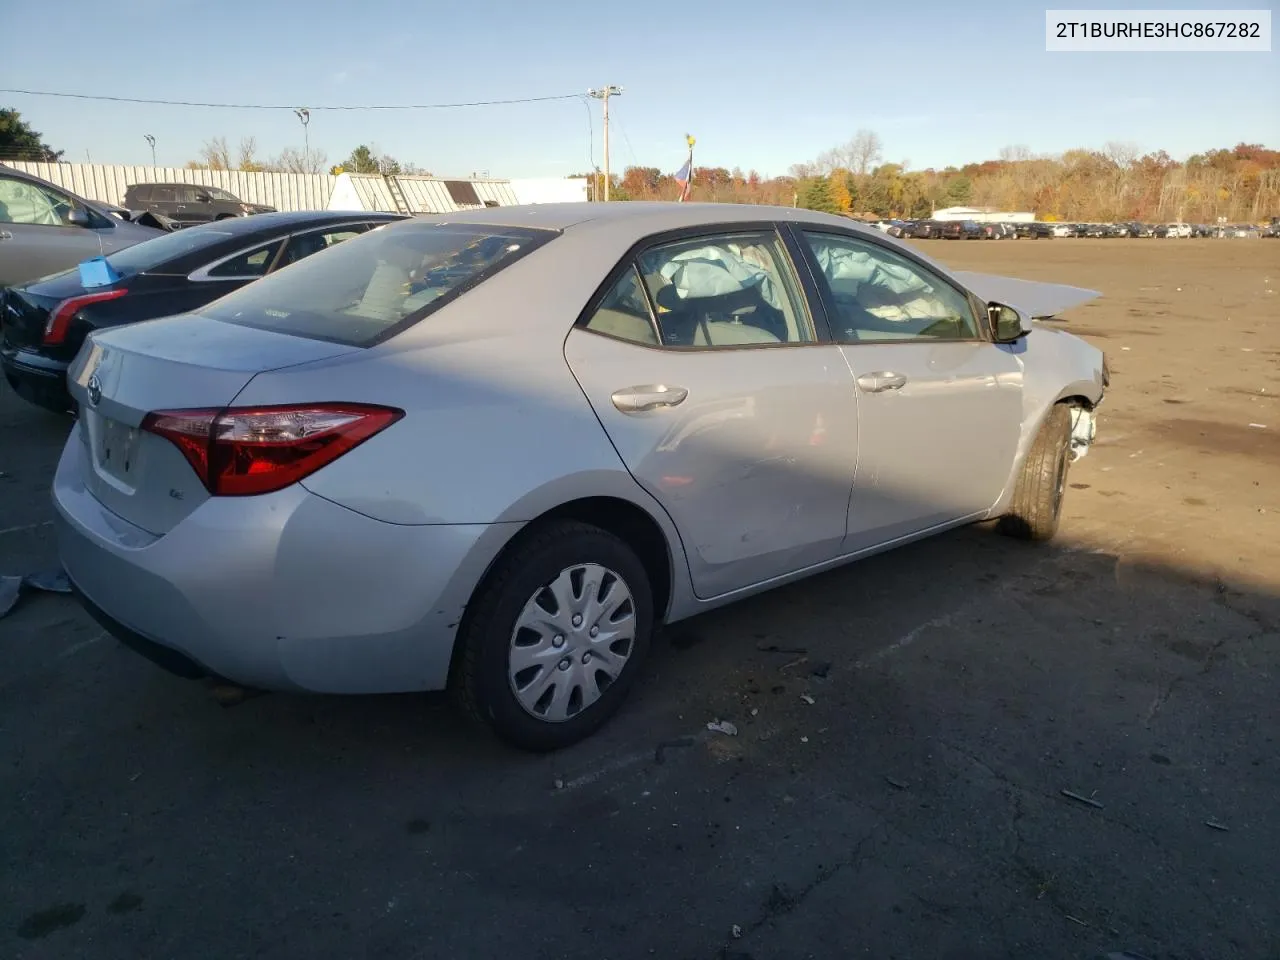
572, 639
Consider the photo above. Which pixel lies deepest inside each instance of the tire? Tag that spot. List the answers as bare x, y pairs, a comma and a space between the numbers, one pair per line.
1037, 498
484, 683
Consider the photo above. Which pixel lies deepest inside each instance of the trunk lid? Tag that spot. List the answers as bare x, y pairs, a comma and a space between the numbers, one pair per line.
24, 311
182, 362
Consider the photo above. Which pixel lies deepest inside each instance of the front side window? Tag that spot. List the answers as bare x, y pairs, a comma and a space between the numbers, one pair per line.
375, 285
217, 194
254, 263
30, 203
880, 296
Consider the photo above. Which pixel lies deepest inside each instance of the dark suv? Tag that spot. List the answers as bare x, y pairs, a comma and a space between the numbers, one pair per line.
189, 204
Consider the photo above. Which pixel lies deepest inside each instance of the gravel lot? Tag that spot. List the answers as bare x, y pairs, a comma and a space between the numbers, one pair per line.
914, 809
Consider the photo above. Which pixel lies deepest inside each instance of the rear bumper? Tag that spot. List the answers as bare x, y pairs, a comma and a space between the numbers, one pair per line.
286, 591
37, 379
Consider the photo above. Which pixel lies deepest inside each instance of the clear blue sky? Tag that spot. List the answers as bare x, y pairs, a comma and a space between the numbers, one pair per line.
760, 84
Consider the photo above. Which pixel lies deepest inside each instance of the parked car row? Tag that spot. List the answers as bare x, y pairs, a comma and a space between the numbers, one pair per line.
45, 228
975, 230
43, 323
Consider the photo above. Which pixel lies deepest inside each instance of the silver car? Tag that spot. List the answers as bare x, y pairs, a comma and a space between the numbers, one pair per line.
495, 451
45, 229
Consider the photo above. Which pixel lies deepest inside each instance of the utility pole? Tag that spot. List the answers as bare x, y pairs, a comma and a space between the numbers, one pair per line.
603, 94
151, 140
304, 115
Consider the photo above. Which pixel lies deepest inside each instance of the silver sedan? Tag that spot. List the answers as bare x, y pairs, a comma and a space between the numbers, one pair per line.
494, 452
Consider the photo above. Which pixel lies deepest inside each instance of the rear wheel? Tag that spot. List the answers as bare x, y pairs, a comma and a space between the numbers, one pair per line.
556, 636
1037, 497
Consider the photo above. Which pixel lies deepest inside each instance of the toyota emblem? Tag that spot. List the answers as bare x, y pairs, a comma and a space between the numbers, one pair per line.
95, 390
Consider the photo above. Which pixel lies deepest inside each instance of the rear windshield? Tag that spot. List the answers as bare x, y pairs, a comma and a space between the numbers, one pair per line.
371, 287
150, 254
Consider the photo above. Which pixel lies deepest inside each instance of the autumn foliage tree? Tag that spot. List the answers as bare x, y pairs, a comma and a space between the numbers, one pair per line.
1116, 182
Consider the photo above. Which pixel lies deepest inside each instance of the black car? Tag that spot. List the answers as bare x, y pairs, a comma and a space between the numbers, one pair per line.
924, 230
44, 323
962, 230
1035, 230
188, 204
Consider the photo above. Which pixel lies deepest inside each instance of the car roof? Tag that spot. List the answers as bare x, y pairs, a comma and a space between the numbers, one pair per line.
238, 226
642, 218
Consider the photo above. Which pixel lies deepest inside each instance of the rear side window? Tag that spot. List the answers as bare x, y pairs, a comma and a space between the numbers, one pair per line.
366, 289
253, 263
151, 254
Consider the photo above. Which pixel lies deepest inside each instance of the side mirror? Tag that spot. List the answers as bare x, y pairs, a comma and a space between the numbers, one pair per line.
1008, 324
77, 217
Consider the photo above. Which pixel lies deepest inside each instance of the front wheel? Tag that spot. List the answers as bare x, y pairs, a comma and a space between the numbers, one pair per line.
555, 636
1037, 498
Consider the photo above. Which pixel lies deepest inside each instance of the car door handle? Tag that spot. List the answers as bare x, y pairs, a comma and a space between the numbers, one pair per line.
648, 397
881, 381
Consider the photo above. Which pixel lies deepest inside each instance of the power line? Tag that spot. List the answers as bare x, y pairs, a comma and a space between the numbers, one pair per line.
271, 106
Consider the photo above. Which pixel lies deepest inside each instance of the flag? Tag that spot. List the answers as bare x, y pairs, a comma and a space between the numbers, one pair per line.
684, 176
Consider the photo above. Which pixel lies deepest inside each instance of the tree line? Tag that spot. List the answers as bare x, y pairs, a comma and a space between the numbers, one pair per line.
216, 154
1116, 183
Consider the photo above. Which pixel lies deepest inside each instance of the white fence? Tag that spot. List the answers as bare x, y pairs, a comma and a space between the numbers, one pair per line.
106, 183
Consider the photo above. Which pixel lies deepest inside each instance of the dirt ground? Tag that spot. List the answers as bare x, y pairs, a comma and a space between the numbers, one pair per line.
915, 808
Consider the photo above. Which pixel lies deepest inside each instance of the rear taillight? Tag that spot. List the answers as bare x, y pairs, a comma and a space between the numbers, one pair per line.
55, 329
243, 451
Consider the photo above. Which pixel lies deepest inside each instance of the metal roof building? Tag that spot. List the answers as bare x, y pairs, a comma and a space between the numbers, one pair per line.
982, 215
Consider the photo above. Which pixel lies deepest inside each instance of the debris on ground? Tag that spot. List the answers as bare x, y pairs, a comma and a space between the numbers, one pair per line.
736, 932
893, 782
48, 581
1080, 798
807, 699
1215, 825
774, 648
723, 726
660, 752
232, 694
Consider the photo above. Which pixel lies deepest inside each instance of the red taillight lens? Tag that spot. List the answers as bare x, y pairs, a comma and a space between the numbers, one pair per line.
55, 329
244, 451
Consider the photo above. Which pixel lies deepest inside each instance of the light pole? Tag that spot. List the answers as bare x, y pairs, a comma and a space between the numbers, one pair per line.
151, 140
603, 94
304, 115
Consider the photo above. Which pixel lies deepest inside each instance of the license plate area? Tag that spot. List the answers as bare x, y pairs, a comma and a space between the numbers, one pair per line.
115, 449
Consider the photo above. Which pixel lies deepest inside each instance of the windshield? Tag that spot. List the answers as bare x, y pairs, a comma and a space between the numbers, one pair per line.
150, 254
373, 286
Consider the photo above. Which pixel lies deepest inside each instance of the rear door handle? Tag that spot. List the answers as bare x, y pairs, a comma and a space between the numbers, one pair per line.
881, 380
648, 397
